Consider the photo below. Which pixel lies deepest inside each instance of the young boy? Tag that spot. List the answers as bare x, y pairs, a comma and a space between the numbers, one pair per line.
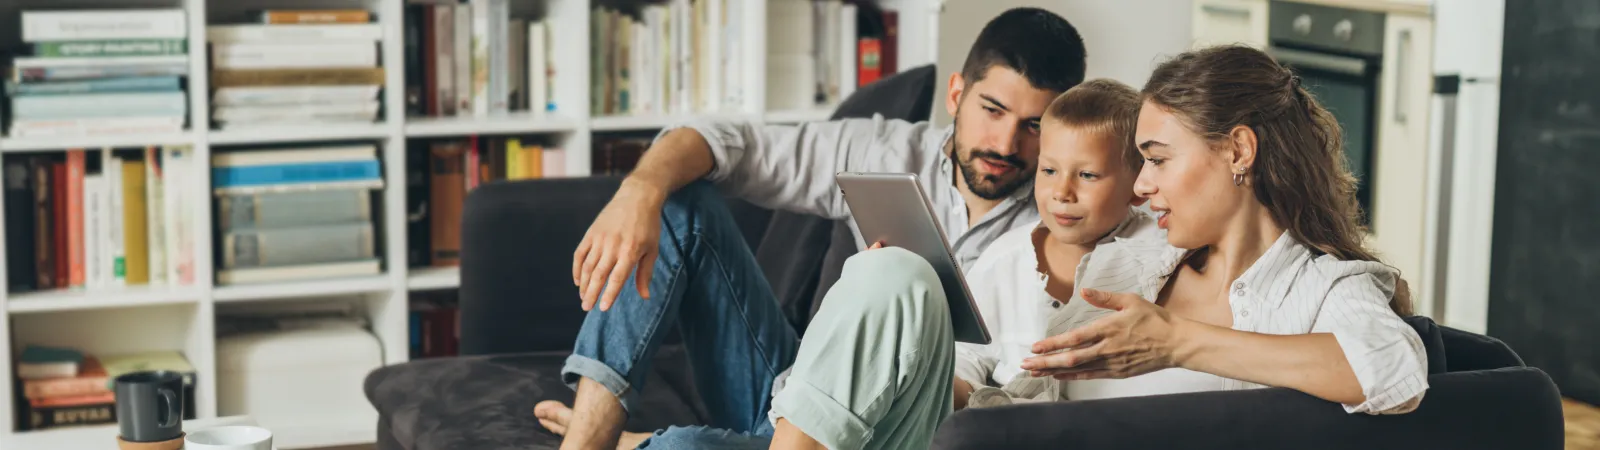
1084, 189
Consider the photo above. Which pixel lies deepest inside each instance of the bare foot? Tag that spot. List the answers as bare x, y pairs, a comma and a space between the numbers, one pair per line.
555, 416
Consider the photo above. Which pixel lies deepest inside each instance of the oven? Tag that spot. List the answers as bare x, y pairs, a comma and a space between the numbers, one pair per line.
1338, 54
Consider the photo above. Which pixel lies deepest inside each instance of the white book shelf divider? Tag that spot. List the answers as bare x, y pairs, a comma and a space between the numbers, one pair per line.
184, 318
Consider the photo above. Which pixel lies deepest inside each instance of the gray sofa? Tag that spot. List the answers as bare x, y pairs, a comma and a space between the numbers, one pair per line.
519, 316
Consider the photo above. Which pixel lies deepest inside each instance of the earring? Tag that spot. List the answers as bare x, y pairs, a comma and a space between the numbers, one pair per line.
1238, 177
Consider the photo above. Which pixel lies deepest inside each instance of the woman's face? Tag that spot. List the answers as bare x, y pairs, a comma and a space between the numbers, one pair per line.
1188, 182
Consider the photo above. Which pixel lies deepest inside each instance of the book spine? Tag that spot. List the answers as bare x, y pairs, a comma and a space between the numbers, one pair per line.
173, 103
70, 73
43, 26
98, 126
75, 219
293, 209
19, 222
114, 221
315, 16
64, 387
93, 204
447, 190
297, 113
60, 230
111, 48
156, 214
44, 243
135, 222
298, 77
463, 58
224, 177
51, 417
119, 61
499, 68
482, 37
273, 95
293, 56
444, 48
303, 33
105, 86
180, 258
300, 245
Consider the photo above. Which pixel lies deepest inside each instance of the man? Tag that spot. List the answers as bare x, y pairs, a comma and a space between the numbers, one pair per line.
761, 385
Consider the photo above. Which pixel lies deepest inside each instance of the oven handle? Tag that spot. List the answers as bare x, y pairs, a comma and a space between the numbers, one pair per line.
1320, 61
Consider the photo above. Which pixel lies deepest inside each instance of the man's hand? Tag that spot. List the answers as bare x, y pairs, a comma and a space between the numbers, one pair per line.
624, 236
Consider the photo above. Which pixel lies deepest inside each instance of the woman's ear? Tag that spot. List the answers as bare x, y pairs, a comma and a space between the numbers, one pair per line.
952, 102
1244, 148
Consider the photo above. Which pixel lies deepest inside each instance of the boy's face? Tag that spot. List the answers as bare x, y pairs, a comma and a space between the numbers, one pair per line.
1082, 186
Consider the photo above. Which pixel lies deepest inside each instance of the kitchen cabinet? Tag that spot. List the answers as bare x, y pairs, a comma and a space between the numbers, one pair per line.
1218, 22
1400, 184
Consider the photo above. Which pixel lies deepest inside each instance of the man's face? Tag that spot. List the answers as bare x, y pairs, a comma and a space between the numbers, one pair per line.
996, 130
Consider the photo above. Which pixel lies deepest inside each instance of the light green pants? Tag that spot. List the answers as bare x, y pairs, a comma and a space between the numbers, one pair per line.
875, 366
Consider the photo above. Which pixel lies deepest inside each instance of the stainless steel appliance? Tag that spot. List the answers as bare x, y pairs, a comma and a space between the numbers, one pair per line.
1338, 54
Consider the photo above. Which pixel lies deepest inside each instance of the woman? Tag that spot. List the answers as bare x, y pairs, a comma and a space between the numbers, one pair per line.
1262, 280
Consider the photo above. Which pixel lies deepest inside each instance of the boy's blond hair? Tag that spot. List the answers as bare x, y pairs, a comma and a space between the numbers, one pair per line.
1105, 107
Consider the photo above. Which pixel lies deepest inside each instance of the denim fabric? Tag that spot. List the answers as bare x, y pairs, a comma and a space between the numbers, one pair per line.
706, 279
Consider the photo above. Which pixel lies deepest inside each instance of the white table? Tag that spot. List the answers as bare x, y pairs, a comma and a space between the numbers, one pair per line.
103, 436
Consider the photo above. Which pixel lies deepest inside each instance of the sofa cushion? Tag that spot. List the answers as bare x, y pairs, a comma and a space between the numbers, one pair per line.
486, 402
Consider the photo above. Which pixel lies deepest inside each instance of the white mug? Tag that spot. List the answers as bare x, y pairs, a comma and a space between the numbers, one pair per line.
234, 437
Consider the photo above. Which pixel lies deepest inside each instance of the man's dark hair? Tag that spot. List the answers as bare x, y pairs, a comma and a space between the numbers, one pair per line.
1038, 44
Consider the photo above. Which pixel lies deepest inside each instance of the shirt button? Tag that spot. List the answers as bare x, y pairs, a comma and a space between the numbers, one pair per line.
1239, 288
1244, 313
1055, 303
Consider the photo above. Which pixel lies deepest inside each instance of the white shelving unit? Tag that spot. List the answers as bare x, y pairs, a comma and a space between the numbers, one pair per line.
184, 318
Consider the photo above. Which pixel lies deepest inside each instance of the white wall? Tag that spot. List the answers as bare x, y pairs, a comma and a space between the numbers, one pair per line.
1125, 39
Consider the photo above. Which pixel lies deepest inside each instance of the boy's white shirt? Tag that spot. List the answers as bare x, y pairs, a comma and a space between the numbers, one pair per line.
1010, 292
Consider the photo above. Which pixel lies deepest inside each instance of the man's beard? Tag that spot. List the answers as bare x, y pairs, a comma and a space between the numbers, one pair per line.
989, 187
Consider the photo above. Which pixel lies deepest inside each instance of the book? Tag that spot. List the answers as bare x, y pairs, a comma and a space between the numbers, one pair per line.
91, 379
111, 48
280, 174
89, 106
114, 221
448, 191
155, 203
96, 86
293, 95
294, 55
44, 226
51, 417
313, 244
135, 220
295, 155
21, 275
297, 77
104, 24
96, 126
86, 72
293, 209
314, 16
41, 362
75, 218
225, 34
297, 272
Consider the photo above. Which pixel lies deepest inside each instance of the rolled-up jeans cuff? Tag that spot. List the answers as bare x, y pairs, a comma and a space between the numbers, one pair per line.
582, 366
820, 416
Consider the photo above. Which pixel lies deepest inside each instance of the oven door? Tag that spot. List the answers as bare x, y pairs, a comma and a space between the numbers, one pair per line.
1348, 87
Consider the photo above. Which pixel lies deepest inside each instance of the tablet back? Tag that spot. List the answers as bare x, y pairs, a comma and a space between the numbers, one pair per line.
892, 207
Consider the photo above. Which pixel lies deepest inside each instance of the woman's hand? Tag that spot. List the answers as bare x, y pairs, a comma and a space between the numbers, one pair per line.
1139, 338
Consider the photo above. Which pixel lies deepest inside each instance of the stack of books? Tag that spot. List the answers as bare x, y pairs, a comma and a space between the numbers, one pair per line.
296, 213
100, 72
100, 219
471, 58
296, 68
64, 387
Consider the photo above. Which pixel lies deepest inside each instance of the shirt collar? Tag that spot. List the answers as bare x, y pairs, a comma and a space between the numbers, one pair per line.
1269, 279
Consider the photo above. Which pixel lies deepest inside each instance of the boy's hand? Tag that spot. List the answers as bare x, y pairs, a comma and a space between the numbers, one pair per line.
876, 245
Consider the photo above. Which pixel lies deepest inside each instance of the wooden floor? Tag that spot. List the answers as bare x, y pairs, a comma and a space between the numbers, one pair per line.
1583, 427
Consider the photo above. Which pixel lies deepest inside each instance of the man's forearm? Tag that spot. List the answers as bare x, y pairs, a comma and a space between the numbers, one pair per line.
676, 159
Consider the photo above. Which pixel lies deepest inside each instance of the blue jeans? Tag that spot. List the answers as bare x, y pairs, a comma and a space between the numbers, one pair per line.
896, 383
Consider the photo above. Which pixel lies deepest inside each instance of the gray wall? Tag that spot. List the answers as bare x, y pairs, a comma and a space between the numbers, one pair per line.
1125, 39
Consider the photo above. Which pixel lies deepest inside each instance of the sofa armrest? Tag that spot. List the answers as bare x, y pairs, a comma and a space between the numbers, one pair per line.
1491, 409
517, 239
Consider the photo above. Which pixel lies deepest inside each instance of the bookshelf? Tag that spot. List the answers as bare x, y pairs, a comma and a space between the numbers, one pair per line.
184, 317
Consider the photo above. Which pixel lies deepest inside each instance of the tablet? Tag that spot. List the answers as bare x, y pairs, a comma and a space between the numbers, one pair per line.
893, 208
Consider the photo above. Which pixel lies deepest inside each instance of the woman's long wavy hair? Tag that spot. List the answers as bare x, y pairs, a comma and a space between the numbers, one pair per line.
1299, 173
